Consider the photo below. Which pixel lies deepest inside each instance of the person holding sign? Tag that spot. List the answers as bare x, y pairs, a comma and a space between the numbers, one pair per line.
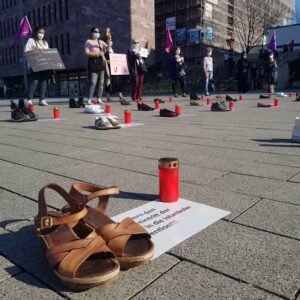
116, 80
137, 69
97, 66
38, 43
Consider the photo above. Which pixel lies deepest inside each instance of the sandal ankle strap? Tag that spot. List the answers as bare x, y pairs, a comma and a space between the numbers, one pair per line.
95, 192
46, 219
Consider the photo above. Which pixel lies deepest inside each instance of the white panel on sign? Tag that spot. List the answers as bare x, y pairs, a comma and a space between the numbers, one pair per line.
172, 223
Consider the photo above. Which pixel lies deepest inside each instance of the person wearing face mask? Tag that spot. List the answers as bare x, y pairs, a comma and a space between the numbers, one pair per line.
97, 66
243, 67
177, 71
271, 70
208, 66
137, 69
38, 42
116, 81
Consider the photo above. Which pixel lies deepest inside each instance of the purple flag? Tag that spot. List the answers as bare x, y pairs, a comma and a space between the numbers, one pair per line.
169, 41
23, 32
273, 45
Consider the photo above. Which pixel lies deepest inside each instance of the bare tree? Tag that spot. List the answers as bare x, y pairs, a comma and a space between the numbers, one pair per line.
253, 18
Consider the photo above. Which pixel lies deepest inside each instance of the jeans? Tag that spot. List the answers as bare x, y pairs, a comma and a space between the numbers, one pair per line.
38, 78
96, 79
210, 75
137, 86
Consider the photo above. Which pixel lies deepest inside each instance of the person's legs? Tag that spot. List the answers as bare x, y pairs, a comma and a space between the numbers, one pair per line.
100, 82
182, 85
207, 81
33, 84
134, 87
93, 78
174, 81
140, 86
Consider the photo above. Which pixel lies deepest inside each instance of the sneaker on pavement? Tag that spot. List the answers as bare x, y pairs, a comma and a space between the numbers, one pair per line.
144, 107
103, 123
43, 103
167, 113
93, 109
114, 122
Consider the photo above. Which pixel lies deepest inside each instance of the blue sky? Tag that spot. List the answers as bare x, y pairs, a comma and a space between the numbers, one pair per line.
298, 6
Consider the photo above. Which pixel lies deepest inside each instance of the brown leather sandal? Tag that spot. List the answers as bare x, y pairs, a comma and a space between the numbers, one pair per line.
130, 242
78, 256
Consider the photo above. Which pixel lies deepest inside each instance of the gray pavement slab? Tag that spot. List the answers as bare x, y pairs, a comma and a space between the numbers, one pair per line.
264, 260
125, 286
189, 281
259, 187
276, 217
25, 286
7, 269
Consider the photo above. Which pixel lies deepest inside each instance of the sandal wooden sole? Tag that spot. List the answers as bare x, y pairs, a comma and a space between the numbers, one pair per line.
79, 284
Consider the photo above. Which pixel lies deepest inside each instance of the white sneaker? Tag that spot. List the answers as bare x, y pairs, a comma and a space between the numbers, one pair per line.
114, 122
93, 109
90, 102
43, 103
103, 123
281, 94
100, 101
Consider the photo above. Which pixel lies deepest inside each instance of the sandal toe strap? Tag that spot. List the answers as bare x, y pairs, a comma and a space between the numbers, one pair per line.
117, 235
71, 255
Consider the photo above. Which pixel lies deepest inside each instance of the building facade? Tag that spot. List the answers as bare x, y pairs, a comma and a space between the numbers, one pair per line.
68, 24
197, 24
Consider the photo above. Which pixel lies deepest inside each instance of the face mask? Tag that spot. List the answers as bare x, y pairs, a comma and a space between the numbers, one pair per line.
40, 36
96, 35
111, 44
177, 52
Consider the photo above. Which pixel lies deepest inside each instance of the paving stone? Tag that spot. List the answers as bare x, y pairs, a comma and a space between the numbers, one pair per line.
277, 217
259, 187
128, 284
17, 209
189, 281
7, 269
25, 286
261, 259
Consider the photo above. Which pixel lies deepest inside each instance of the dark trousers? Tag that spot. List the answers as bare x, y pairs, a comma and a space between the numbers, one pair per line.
181, 82
137, 87
38, 78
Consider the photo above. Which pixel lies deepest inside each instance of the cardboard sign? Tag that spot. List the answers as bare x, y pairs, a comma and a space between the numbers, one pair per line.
144, 52
118, 64
172, 223
46, 59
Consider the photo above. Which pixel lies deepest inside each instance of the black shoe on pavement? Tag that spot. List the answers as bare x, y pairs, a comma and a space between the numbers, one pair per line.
167, 113
73, 103
80, 102
27, 112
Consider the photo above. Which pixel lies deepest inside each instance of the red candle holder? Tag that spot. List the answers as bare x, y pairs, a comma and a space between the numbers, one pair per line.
170, 99
168, 179
31, 107
276, 102
231, 105
157, 105
56, 113
127, 116
241, 98
177, 110
208, 101
107, 109
202, 97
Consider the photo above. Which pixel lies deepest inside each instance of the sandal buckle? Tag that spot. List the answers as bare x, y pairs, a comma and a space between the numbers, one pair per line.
46, 222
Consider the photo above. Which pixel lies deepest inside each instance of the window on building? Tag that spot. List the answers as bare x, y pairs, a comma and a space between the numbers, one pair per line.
49, 14
39, 17
62, 44
33, 19
54, 12
1, 31
67, 9
44, 16
68, 44
51, 42
56, 42
60, 10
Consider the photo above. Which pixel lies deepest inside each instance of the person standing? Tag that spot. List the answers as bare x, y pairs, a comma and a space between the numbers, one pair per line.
208, 66
97, 66
271, 70
137, 70
292, 46
116, 81
243, 66
38, 42
177, 71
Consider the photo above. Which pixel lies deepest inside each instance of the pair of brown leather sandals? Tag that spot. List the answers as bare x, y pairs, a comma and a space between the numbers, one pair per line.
85, 248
